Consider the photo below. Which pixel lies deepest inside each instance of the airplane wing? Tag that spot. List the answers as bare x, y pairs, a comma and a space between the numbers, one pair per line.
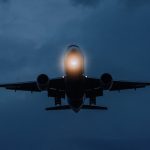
124, 85
95, 88
23, 86
54, 84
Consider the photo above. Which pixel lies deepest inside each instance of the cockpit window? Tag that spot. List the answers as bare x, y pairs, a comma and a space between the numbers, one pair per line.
75, 46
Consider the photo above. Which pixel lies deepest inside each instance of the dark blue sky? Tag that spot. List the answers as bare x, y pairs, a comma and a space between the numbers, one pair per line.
115, 36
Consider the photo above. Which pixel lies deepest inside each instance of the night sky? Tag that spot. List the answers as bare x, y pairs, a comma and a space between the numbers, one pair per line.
115, 37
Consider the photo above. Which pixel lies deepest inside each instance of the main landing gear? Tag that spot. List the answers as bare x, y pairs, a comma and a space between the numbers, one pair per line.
92, 101
92, 105
57, 101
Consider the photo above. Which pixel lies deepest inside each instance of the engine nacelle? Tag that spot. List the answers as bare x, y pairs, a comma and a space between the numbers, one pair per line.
43, 82
106, 80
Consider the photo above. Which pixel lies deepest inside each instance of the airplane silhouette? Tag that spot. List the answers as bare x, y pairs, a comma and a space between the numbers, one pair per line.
74, 85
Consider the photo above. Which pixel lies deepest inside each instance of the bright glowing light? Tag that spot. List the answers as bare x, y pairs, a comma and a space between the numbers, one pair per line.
74, 63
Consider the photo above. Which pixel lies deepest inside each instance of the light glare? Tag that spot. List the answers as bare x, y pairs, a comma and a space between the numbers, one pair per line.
74, 63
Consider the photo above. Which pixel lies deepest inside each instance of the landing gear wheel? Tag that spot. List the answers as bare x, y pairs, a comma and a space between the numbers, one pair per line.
92, 101
57, 101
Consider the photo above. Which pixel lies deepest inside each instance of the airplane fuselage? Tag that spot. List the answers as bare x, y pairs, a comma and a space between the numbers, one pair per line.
74, 79
75, 92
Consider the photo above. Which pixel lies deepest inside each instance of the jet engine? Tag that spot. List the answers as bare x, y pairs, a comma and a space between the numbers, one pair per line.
106, 80
42, 82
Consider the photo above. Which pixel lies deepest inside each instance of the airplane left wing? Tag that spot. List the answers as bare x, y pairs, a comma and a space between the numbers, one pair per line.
124, 85
95, 87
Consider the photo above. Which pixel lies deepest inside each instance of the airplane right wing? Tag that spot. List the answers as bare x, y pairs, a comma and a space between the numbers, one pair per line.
55, 87
22, 86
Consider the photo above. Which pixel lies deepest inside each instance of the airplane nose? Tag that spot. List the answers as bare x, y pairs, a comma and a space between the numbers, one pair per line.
73, 46
74, 62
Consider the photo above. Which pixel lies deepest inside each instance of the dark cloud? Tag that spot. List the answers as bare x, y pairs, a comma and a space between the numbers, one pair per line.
134, 3
86, 2
4, 1
114, 41
128, 3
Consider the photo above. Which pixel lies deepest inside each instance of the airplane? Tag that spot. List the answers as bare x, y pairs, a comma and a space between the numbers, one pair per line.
74, 85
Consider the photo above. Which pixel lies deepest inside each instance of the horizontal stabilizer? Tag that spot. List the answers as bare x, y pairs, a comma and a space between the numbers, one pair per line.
94, 107
58, 108
83, 107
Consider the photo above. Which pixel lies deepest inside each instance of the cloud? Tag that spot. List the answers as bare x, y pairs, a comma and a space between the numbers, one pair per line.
134, 3
128, 3
4, 1
114, 41
86, 2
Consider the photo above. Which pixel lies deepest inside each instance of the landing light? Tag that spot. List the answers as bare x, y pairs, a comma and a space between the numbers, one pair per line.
73, 63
